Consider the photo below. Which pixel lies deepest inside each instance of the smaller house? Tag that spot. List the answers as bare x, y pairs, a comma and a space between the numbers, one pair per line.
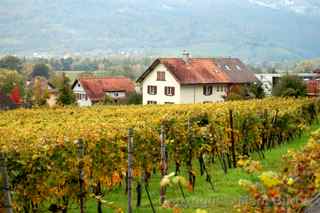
45, 88
91, 90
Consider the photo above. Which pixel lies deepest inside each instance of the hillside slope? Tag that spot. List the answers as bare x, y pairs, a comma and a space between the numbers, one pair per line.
256, 30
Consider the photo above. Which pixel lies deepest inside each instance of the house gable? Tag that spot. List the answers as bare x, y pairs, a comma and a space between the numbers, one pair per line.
162, 86
82, 97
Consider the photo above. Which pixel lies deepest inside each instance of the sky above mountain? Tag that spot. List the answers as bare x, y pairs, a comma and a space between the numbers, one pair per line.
255, 30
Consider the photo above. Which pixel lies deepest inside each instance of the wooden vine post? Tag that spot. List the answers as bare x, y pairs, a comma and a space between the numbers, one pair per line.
130, 152
233, 151
6, 189
81, 151
164, 164
192, 178
147, 190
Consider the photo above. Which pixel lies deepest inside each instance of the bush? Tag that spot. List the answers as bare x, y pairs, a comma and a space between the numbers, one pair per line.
134, 98
290, 190
245, 92
290, 86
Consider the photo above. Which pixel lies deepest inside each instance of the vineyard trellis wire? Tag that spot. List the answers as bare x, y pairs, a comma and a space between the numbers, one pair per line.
43, 160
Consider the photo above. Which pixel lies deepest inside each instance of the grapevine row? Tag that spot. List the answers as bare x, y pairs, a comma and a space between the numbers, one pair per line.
41, 145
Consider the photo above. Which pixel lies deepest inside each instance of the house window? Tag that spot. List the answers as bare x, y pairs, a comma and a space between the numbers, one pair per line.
80, 96
168, 103
238, 67
169, 91
151, 102
161, 76
152, 90
207, 90
227, 67
219, 88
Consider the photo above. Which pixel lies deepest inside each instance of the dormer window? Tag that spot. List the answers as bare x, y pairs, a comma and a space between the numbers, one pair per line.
161, 76
238, 67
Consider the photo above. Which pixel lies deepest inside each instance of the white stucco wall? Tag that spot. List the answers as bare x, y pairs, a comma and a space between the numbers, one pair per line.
160, 97
78, 89
194, 94
267, 81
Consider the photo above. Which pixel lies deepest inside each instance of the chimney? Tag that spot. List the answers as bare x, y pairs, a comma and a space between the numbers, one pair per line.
186, 56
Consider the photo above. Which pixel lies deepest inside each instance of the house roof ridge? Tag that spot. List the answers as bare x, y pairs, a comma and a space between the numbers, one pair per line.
199, 58
102, 77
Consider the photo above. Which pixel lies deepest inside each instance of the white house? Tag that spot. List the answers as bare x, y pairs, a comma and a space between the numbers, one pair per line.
192, 80
90, 90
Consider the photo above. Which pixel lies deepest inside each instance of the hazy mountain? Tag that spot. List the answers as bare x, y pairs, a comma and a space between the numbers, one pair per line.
256, 30
305, 7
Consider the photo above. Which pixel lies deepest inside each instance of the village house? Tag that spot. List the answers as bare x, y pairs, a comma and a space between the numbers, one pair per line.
90, 90
45, 88
189, 80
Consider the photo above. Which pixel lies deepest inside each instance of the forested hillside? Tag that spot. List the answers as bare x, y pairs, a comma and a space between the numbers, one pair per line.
254, 30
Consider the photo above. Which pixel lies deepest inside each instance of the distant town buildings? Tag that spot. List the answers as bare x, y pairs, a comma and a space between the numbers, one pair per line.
269, 80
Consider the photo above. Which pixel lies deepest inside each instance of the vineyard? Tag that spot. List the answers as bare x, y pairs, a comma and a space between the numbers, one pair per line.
54, 157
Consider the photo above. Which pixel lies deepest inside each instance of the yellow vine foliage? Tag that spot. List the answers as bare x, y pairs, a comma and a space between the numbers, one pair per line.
43, 156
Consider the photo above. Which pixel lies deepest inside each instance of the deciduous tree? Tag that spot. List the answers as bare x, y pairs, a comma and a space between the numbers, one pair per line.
11, 63
290, 86
40, 70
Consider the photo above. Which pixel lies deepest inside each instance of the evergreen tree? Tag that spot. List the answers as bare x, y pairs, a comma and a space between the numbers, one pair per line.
66, 96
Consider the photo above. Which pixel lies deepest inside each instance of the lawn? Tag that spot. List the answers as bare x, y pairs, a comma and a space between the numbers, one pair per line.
227, 192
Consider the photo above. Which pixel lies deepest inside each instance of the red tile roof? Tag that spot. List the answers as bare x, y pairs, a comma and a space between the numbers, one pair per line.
205, 70
313, 87
96, 87
317, 71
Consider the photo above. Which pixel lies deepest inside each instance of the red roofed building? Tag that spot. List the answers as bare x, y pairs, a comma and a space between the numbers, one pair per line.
192, 80
90, 90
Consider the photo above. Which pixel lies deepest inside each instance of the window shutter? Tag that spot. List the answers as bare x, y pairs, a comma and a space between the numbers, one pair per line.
173, 91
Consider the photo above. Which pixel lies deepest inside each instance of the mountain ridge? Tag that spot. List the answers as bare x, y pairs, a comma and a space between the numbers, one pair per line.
205, 27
